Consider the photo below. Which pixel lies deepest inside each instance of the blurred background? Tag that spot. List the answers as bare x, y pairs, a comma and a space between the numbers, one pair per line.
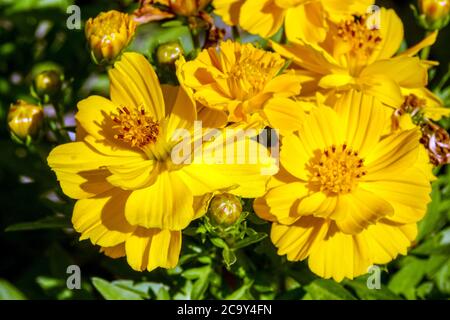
35, 235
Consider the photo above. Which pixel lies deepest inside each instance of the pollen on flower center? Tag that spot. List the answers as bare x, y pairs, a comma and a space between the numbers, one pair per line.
254, 69
361, 38
336, 170
413, 104
135, 127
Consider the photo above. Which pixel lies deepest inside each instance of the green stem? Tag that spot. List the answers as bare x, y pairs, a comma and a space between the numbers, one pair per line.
59, 109
425, 53
443, 81
236, 34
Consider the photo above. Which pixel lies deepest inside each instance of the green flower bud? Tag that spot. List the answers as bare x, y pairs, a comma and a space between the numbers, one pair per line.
168, 53
225, 209
47, 83
25, 119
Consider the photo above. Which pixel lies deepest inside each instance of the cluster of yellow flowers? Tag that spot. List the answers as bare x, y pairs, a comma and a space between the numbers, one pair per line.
354, 175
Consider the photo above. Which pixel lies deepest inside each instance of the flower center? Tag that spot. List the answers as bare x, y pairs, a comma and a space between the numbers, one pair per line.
253, 69
336, 170
360, 35
413, 104
135, 127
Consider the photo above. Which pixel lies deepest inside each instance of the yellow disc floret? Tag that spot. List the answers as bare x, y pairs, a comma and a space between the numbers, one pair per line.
336, 170
135, 127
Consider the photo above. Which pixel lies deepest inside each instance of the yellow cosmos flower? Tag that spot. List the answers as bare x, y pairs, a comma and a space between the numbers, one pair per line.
108, 34
348, 196
302, 19
238, 82
356, 56
134, 199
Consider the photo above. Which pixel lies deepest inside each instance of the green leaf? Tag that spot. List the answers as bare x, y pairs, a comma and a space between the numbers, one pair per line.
163, 294
424, 290
407, 278
141, 289
45, 223
202, 277
220, 243
9, 292
151, 35
255, 238
365, 293
438, 244
243, 293
434, 217
328, 290
27, 5
434, 263
442, 278
229, 257
111, 291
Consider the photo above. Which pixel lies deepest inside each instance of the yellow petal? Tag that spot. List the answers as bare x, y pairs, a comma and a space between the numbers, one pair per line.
339, 256
212, 118
317, 204
133, 176
297, 240
391, 33
134, 83
101, 219
357, 210
262, 210
407, 191
309, 57
337, 80
295, 155
392, 155
284, 114
381, 86
261, 17
95, 117
364, 119
183, 112
284, 85
166, 204
228, 10
201, 204
117, 251
283, 200
428, 41
321, 129
386, 241
339, 10
81, 170
241, 166
405, 71
306, 22
148, 249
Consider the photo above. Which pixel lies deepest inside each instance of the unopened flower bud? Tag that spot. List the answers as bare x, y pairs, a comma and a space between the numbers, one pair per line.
225, 209
108, 34
434, 13
25, 119
47, 83
168, 53
188, 7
